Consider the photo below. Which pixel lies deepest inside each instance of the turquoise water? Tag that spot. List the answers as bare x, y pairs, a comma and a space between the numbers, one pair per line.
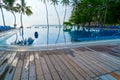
27, 37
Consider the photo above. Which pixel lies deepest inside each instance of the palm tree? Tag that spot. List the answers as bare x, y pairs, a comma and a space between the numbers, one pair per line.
9, 6
46, 8
65, 3
23, 9
1, 5
55, 2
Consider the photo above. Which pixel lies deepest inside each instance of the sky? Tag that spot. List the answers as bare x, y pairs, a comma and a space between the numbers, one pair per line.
39, 14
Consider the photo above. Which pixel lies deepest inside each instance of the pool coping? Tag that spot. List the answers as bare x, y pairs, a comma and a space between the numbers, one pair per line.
58, 46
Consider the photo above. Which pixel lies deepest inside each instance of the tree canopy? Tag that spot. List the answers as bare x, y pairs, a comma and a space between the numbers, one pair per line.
102, 12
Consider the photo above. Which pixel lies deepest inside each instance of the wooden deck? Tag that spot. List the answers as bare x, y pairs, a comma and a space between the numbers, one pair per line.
82, 63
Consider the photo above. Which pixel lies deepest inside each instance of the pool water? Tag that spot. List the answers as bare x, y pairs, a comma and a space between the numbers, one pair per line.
29, 33
27, 37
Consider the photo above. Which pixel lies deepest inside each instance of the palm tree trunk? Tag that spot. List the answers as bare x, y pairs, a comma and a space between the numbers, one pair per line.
21, 20
59, 24
2, 15
63, 22
47, 23
14, 19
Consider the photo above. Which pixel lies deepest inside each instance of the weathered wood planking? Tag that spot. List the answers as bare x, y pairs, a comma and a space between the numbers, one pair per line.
106, 57
45, 68
103, 66
93, 67
67, 64
39, 72
52, 69
32, 72
106, 63
5, 65
115, 75
86, 68
12, 68
17, 75
71, 68
25, 68
4, 58
1, 53
81, 72
64, 68
58, 68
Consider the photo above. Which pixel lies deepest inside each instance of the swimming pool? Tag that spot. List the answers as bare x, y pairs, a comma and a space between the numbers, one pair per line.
28, 37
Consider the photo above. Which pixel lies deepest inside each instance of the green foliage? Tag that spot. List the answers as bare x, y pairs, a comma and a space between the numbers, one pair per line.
67, 26
24, 9
103, 11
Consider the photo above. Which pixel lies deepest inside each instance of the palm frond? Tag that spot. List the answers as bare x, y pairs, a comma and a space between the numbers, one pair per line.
28, 11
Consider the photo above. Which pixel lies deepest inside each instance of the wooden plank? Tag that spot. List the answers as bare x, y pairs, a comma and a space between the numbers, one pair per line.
25, 68
75, 65
39, 72
17, 75
102, 55
86, 68
105, 60
52, 69
63, 76
103, 77
46, 71
64, 68
115, 75
98, 62
82, 69
96, 78
107, 64
6, 65
110, 77
4, 59
117, 72
71, 68
1, 53
12, 68
32, 72
92, 66
111, 58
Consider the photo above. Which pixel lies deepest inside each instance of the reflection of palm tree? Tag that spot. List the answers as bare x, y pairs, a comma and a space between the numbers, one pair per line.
55, 2
9, 6
65, 3
16, 38
1, 5
23, 9
47, 21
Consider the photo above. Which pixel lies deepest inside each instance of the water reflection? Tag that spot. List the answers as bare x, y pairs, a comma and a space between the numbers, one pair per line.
24, 41
88, 34
36, 34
